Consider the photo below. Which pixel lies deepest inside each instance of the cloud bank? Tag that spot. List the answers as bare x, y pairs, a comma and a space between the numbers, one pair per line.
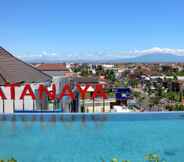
98, 55
135, 53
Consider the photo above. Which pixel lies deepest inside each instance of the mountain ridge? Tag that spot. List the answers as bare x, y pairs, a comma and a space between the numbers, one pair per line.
156, 57
147, 58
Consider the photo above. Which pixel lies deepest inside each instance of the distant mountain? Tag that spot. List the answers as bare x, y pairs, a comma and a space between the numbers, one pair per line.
147, 58
152, 58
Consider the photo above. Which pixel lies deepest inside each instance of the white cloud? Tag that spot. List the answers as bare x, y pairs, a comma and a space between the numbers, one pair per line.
134, 53
98, 55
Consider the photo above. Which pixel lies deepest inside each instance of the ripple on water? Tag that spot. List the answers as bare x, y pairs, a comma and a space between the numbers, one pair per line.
170, 152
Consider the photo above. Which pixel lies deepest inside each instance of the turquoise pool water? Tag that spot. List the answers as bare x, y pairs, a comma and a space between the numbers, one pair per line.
91, 138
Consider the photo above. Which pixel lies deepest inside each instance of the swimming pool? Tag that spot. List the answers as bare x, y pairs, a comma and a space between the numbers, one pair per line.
91, 137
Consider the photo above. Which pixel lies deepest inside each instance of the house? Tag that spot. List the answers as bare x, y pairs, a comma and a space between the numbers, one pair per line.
13, 70
52, 69
60, 76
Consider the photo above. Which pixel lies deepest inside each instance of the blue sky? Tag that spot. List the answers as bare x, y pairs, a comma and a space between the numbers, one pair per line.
94, 28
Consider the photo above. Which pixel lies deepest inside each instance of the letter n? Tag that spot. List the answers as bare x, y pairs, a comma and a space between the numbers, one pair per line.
43, 90
66, 92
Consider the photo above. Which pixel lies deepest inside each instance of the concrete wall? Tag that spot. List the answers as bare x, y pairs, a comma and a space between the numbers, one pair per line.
98, 105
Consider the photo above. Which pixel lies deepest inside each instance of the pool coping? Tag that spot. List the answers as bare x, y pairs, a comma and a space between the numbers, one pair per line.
93, 113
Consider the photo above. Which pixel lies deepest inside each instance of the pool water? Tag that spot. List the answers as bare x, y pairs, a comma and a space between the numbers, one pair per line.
92, 138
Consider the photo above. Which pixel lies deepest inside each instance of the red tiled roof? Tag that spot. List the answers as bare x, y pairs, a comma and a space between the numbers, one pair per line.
51, 67
86, 79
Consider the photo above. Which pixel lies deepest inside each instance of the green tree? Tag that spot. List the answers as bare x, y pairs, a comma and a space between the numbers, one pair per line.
117, 83
110, 75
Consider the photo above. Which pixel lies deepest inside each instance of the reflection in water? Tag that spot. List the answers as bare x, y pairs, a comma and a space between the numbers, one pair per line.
1, 121
42, 122
72, 118
61, 118
41, 118
99, 120
13, 118
68, 122
83, 121
93, 118
96, 122
33, 119
104, 117
53, 120
13, 121
169, 153
25, 121
4, 117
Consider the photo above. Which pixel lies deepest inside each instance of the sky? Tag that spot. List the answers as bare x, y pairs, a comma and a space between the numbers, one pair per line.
66, 29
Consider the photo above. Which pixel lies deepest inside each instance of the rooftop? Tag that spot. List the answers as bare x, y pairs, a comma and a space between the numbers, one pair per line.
51, 67
14, 70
